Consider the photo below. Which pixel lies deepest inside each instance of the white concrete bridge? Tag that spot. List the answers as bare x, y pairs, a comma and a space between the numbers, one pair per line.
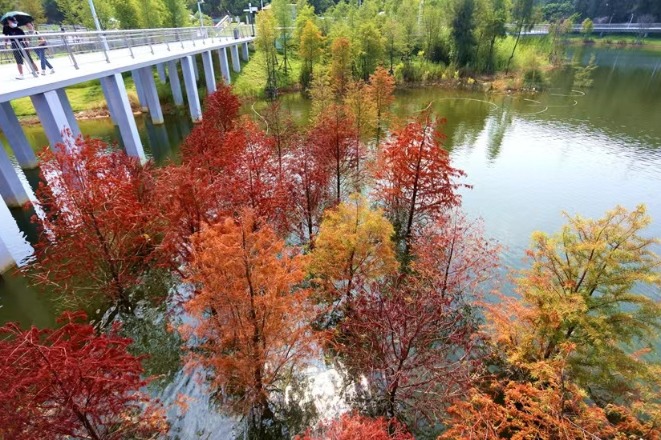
104, 56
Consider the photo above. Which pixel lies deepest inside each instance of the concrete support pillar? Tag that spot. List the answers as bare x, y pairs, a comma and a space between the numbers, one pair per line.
118, 100
11, 189
209, 75
53, 118
16, 137
236, 64
224, 65
191, 89
6, 259
175, 83
135, 74
195, 69
160, 68
68, 111
151, 93
111, 110
245, 55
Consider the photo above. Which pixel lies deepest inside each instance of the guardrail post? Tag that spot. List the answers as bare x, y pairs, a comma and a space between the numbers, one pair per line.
73, 59
128, 43
104, 45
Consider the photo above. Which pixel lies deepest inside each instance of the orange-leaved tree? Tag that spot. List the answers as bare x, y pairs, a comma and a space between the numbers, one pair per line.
96, 234
251, 314
415, 337
380, 90
414, 179
547, 405
340, 69
356, 427
73, 383
364, 116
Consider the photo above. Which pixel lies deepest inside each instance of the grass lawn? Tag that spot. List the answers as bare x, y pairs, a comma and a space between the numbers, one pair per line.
252, 79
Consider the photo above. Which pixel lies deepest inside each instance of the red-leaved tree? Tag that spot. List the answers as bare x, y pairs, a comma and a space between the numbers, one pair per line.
333, 138
356, 427
414, 179
72, 383
95, 234
415, 336
380, 90
309, 188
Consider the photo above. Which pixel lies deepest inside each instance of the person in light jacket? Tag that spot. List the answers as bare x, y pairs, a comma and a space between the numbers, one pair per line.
40, 49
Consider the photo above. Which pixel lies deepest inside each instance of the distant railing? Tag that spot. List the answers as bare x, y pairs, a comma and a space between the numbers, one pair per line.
639, 28
114, 44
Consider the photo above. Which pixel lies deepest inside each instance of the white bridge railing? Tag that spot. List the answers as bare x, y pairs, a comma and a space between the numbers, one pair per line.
112, 44
638, 28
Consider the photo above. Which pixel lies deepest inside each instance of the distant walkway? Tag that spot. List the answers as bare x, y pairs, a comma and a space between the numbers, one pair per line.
618, 28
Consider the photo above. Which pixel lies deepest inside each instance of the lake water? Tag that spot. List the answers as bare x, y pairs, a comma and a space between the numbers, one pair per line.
529, 158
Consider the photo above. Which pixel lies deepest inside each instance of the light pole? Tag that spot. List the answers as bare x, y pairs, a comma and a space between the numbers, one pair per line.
98, 25
199, 11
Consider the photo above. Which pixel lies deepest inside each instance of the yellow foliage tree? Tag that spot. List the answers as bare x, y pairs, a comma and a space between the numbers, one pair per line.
586, 287
354, 244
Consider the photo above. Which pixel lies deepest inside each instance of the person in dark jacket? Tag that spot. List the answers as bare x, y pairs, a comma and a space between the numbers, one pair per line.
18, 46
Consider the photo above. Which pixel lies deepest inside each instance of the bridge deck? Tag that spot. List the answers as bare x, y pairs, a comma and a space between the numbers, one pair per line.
94, 65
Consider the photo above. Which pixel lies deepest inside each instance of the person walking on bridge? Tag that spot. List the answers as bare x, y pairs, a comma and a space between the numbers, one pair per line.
18, 45
40, 49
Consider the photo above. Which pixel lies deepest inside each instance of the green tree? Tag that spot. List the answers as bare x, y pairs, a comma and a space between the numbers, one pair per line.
310, 50
152, 13
77, 12
176, 14
493, 17
462, 32
523, 18
267, 35
432, 23
586, 28
128, 14
392, 32
370, 48
285, 20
